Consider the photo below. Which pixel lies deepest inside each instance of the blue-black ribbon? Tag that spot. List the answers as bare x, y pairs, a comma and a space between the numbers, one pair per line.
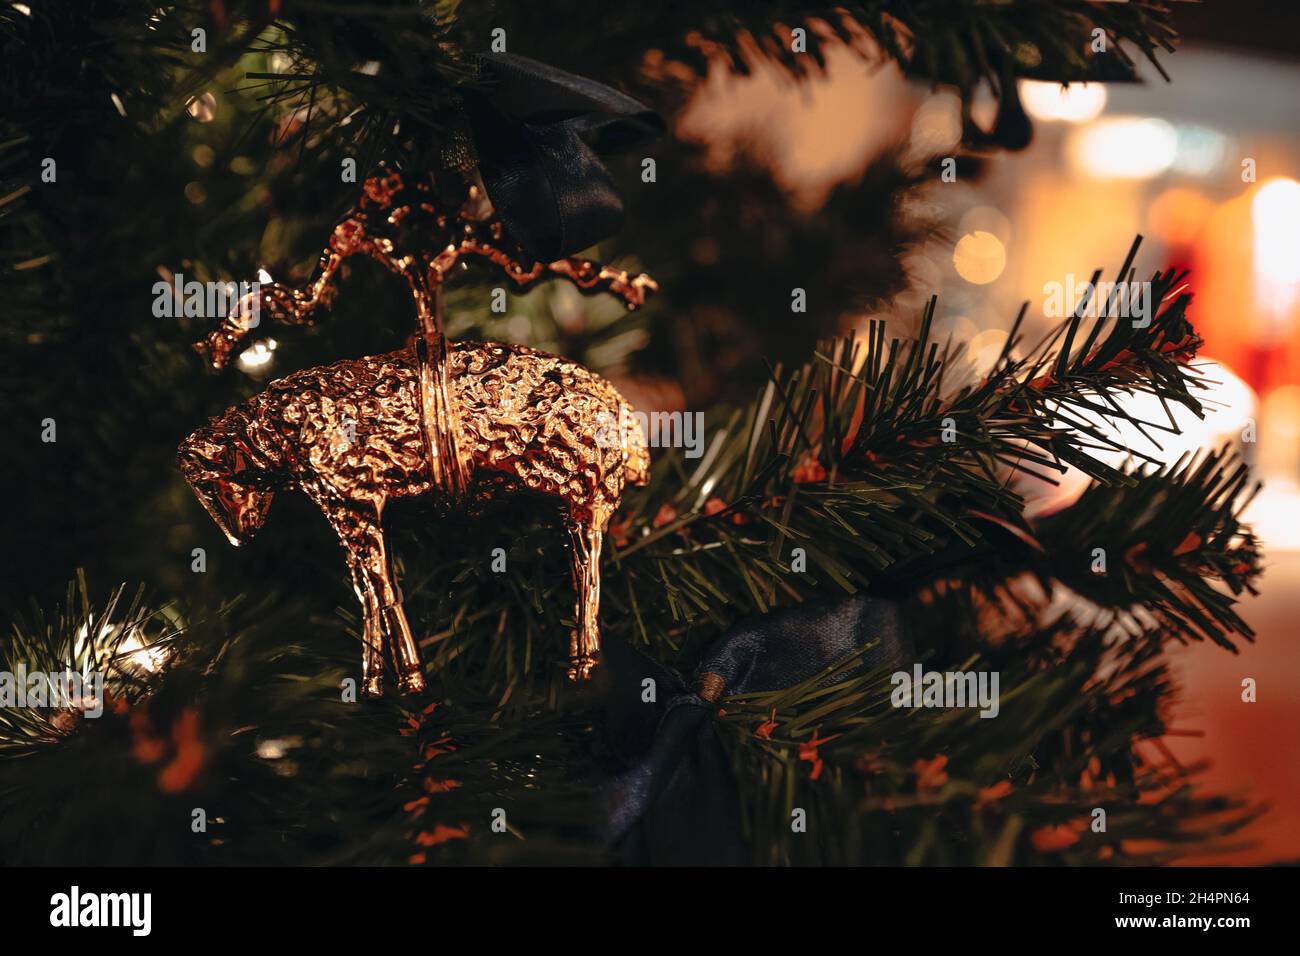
676, 802
538, 132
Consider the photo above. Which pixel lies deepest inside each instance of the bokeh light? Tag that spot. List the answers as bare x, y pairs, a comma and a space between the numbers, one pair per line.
986, 219
936, 127
1275, 213
979, 257
257, 355
1071, 103
1124, 148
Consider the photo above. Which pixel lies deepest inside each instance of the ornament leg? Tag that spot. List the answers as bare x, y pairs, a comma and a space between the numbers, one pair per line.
372, 653
362, 538
584, 645
392, 617
406, 653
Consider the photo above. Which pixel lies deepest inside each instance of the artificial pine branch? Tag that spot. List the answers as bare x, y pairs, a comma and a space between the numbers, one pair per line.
124, 640
1178, 540
846, 456
843, 457
1019, 789
383, 80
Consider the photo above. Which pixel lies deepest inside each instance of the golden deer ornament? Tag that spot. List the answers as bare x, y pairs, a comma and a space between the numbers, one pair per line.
465, 421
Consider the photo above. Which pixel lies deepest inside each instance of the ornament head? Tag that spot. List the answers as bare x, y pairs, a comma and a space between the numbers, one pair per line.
230, 488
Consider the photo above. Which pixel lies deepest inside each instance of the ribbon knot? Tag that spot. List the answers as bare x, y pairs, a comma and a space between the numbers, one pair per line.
538, 131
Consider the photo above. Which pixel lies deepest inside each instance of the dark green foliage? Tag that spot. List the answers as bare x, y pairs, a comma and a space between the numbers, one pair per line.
841, 452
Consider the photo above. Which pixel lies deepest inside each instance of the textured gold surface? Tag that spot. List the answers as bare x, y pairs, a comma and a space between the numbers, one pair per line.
350, 437
421, 234
463, 421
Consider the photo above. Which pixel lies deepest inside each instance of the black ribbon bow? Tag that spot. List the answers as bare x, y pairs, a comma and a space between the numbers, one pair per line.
538, 131
677, 802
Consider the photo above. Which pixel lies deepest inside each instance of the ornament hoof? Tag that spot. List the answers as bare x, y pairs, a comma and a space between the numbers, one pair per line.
412, 682
582, 667
373, 686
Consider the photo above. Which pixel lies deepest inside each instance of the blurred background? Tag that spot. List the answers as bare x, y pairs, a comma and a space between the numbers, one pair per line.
1207, 170
836, 184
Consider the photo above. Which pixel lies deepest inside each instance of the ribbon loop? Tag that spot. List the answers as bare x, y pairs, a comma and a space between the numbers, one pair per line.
538, 131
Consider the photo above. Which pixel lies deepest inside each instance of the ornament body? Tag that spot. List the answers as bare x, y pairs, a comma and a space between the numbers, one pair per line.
350, 436
422, 231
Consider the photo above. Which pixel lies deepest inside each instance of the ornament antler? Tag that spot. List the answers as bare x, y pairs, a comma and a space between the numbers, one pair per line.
409, 231
405, 229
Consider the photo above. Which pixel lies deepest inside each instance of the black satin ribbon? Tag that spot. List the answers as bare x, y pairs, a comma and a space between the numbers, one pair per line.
538, 132
676, 802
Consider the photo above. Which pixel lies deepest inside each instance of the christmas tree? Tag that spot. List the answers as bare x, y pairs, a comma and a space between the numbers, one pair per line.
850, 510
